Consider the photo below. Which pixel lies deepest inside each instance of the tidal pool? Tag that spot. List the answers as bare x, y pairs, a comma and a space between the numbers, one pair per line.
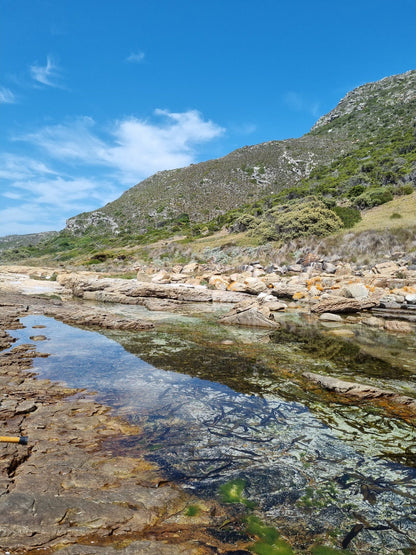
222, 406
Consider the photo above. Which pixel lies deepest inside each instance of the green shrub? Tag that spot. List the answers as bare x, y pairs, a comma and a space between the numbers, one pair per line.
356, 190
373, 197
304, 217
405, 189
245, 222
348, 215
395, 216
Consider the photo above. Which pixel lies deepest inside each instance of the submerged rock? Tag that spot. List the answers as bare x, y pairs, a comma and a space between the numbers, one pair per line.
360, 391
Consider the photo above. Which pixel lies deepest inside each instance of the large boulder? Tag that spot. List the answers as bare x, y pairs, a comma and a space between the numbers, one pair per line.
248, 313
343, 305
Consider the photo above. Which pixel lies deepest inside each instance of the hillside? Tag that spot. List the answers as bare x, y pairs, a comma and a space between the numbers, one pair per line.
366, 142
360, 155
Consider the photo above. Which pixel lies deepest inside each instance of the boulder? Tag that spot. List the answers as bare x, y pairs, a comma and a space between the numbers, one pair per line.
237, 286
388, 268
219, 282
248, 313
373, 322
190, 268
343, 305
329, 268
397, 326
411, 298
161, 277
297, 268
255, 285
329, 317
355, 291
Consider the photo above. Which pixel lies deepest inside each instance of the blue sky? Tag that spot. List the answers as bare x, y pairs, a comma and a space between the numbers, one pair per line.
96, 95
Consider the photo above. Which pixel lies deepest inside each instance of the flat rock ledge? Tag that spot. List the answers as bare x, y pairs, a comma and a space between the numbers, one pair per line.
363, 392
73, 489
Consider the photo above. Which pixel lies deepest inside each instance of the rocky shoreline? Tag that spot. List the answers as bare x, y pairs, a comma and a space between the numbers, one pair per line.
70, 489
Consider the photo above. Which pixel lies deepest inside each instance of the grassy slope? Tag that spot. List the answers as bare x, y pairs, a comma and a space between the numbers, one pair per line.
380, 217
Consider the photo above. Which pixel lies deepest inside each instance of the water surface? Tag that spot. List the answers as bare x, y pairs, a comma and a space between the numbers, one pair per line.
213, 412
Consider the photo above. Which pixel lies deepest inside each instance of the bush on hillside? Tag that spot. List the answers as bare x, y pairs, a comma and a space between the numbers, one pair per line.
245, 222
348, 215
373, 197
298, 218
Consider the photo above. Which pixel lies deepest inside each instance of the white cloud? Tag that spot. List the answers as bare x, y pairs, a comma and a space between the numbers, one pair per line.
46, 75
6, 96
136, 57
14, 167
135, 148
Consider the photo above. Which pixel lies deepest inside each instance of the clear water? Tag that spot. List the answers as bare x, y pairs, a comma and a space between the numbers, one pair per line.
212, 413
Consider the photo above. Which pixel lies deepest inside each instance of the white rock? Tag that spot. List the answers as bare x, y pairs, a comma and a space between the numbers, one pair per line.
355, 291
330, 317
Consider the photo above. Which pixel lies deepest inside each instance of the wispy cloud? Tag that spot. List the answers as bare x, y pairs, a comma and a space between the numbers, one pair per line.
14, 167
136, 57
49, 74
6, 96
134, 148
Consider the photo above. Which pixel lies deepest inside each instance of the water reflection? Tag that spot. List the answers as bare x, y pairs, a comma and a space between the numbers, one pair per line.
297, 470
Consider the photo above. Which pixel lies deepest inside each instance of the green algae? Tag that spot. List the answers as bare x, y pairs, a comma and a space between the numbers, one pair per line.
232, 492
269, 540
192, 510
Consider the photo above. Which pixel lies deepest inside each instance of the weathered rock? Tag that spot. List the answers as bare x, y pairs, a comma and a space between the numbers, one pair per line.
161, 277
296, 268
355, 291
255, 285
329, 268
329, 317
397, 326
388, 268
287, 290
248, 313
342, 305
190, 268
359, 391
373, 322
219, 282
411, 298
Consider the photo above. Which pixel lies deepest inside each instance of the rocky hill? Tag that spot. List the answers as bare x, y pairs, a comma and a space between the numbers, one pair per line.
366, 143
